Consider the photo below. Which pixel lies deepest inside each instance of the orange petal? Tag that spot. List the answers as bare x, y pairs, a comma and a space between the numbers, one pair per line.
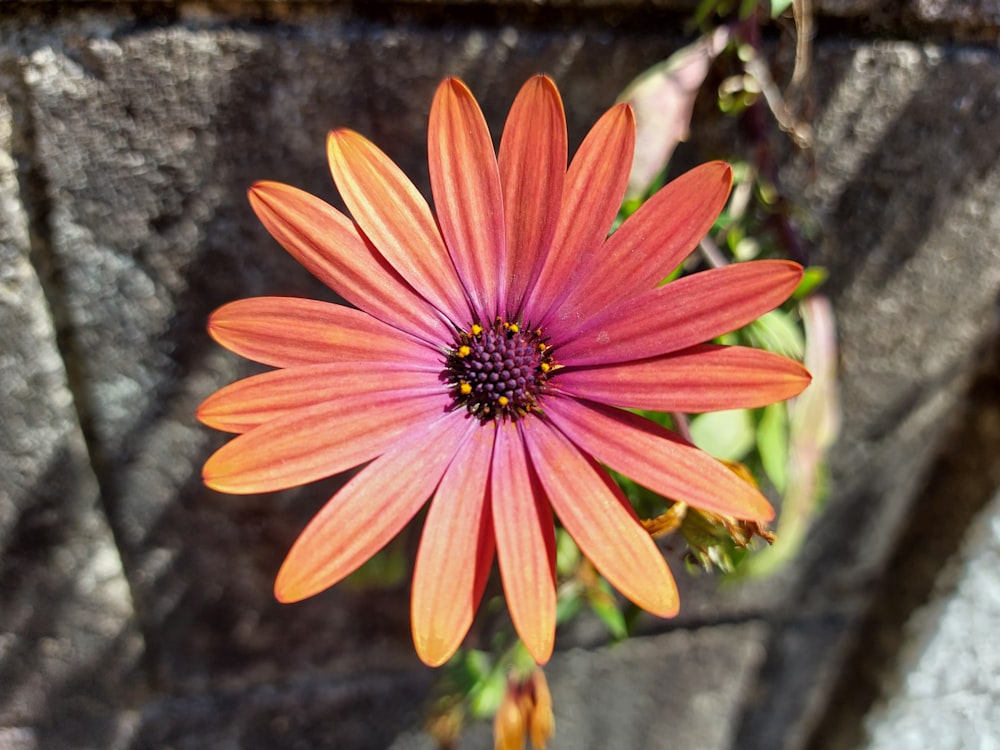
526, 549
455, 555
248, 403
532, 171
288, 331
330, 247
466, 187
701, 378
689, 311
655, 239
656, 458
397, 219
595, 185
596, 514
370, 509
318, 440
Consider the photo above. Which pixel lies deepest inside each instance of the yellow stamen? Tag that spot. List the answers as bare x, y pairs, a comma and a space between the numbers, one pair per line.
464, 351
512, 327
476, 329
465, 389
503, 401
544, 367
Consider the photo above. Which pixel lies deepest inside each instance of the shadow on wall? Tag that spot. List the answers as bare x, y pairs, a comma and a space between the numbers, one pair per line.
940, 143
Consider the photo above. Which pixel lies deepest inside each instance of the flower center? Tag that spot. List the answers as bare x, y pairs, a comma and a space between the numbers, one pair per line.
497, 371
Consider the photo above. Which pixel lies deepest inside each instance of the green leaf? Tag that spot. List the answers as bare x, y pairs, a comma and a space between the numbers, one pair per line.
772, 443
567, 554
605, 606
724, 434
475, 664
485, 696
467, 670
672, 275
568, 604
387, 568
778, 333
779, 6
747, 8
812, 277
746, 249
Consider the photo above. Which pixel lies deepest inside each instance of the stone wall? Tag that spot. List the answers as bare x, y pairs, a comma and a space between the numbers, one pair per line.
135, 605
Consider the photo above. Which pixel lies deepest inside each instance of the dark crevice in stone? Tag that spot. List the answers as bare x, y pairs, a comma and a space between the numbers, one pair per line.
963, 478
35, 196
34, 191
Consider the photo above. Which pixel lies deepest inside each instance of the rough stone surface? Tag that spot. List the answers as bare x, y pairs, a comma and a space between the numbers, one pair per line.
946, 693
914, 275
919, 301
962, 13
673, 690
68, 642
133, 141
364, 713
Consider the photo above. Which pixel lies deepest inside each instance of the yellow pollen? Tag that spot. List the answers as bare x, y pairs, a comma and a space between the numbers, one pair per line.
503, 401
513, 328
544, 367
465, 389
542, 346
464, 351
476, 329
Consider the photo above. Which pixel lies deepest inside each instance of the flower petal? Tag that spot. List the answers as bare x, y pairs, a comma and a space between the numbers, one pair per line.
370, 509
656, 458
595, 185
701, 378
526, 546
248, 403
596, 514
338, 425
330, 247
288, 331
455, 555
533, 153
680, 314
656, 238
397, 219
466, 187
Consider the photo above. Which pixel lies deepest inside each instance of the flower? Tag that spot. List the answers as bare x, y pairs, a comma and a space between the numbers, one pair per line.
489, 363
525, 712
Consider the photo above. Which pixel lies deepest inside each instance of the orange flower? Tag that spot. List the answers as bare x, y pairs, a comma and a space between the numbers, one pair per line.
490, 361
525, 712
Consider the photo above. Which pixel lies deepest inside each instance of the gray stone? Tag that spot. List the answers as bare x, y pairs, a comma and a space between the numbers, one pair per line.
680, 689
137, 142
903, 182
68, 641
907, 171
946, 690
963, 14
365, 713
